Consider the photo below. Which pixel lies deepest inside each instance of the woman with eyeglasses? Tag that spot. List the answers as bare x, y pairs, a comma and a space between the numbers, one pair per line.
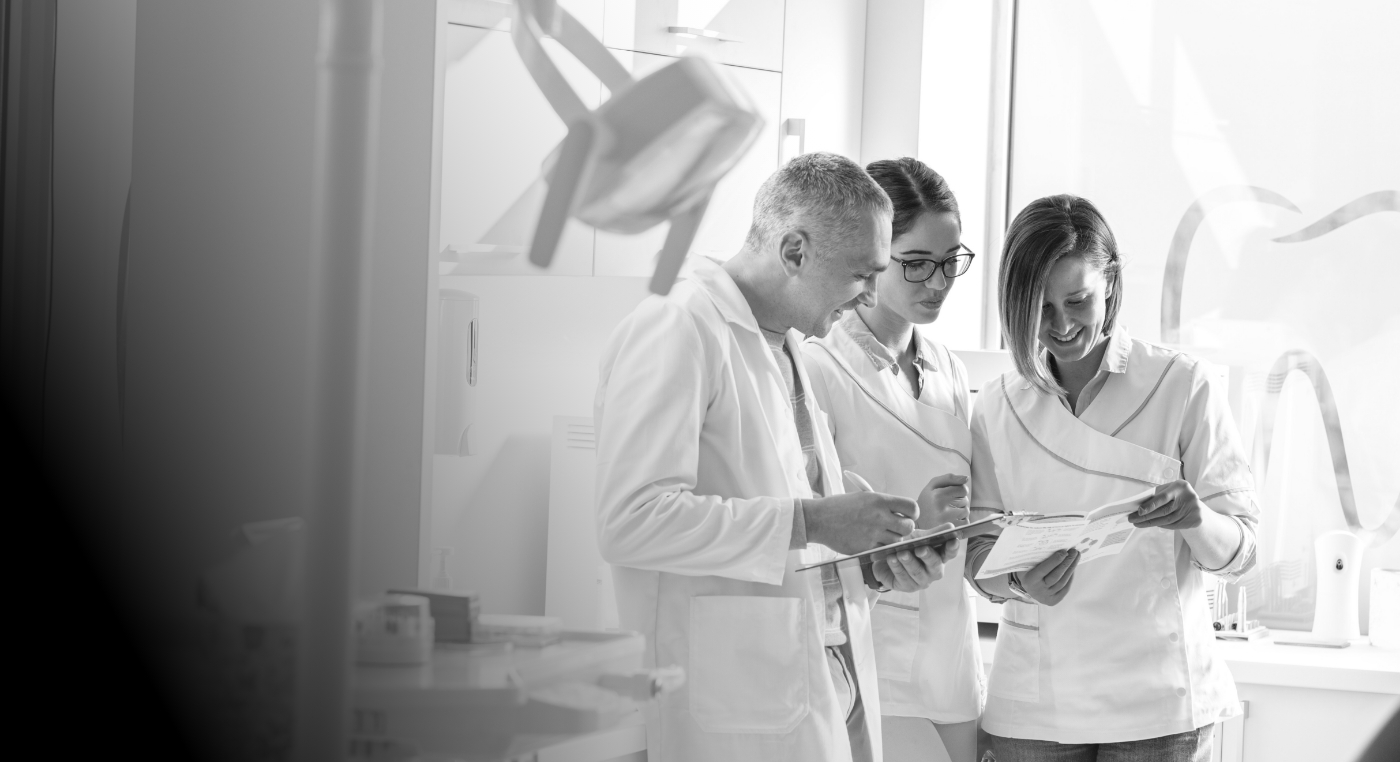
1113, 659
897, 403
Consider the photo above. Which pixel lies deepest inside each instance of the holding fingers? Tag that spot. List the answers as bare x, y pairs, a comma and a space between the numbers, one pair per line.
944, 500
912, 570
1049, 581
1174, 505
858, 521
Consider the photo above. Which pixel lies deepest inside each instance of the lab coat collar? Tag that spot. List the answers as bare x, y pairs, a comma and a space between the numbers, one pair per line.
1120, 344
711, 278
881, 356
1115, 357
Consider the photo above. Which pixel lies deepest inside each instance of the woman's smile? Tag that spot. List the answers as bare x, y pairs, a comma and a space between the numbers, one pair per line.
1066, 339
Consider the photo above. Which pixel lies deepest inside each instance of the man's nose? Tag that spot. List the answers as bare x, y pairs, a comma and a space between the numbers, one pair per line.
867, 293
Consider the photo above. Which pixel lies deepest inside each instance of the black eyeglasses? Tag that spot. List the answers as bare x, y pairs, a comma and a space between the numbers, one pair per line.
920, 270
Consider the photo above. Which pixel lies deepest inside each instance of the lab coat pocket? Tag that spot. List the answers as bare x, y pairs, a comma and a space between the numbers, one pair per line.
748, 663
896, 625
1016, 664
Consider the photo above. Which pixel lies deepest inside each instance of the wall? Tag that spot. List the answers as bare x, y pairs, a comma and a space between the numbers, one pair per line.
541, 338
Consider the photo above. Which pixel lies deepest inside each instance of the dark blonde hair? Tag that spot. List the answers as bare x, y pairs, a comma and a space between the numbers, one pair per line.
1046, 231
914, 189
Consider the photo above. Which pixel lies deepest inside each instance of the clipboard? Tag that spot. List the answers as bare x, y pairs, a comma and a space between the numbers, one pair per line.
936, 539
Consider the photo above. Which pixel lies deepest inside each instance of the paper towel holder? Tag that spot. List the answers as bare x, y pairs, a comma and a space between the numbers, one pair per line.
459, 344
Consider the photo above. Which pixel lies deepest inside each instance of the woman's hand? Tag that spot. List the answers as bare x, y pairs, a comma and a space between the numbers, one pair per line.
910, 571
1049, 581
1173, 505
943, 501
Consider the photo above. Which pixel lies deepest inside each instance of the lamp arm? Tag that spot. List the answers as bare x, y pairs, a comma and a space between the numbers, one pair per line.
536, 19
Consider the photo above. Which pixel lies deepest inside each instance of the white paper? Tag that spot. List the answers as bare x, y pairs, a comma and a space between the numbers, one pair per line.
1024, 543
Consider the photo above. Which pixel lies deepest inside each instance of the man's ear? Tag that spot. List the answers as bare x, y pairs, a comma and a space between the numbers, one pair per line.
795, 251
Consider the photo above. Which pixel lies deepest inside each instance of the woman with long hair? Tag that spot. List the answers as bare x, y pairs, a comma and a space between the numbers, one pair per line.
897, 403
1112, 660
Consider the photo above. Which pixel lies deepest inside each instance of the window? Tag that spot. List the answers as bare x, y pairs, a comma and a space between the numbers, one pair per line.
1267, 129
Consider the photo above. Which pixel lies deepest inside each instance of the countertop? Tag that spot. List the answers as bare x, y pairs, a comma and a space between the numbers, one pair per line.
1360, 667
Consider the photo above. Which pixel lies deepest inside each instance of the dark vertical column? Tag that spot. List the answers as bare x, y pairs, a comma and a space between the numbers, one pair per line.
27, 233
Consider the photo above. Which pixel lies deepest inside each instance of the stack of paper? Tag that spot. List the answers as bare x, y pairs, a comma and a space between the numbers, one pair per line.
1026, 541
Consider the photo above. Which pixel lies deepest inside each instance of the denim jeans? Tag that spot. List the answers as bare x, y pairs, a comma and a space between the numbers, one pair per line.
1191, 746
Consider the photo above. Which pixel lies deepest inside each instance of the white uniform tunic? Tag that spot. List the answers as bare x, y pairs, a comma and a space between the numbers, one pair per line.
699, 465
926, 642
1128, 653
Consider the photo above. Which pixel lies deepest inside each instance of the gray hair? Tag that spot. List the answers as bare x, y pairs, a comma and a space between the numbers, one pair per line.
827, 194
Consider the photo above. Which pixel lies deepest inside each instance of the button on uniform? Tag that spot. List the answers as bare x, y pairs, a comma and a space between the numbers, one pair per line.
1166, 582
1181, 691
1173, 637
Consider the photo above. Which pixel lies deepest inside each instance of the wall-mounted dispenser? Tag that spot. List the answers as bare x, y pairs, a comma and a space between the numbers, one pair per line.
1338, 585
458, 345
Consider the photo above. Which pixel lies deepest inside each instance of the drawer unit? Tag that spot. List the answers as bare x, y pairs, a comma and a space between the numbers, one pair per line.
746, 33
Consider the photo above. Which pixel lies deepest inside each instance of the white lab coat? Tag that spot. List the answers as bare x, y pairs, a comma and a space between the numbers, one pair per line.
698, 466
1128, 653
926, 647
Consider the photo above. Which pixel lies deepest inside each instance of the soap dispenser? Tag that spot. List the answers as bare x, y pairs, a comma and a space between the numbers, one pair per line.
1337, 614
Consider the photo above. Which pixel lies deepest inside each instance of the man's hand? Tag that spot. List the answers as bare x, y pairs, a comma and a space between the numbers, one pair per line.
910, 571
943, 501
1174, 505
1049, 581
858, 521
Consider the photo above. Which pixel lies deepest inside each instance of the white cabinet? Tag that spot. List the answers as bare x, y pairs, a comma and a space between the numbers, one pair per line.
496, 14
497, 130
727, 219
745, 33
823, 61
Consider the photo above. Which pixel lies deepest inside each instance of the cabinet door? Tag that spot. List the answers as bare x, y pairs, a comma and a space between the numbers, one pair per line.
749, 32
823, 74
495, 14
727, 219
497, 130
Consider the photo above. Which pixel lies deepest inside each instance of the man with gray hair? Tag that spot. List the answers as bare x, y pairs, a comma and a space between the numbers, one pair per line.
717, 479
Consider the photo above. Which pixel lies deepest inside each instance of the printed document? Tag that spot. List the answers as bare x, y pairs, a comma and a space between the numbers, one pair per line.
1026, 541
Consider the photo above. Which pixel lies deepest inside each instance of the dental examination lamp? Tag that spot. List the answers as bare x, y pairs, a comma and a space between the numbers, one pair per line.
652, 152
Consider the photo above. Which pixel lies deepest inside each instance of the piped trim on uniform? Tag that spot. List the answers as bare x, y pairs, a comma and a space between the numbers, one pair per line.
861, 385
1233, 556
1019, 626
1150, 395
1119, 474
1223, 492
892, 604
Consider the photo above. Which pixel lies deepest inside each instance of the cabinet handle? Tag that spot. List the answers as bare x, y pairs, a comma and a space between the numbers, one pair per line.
793, 128
690, 31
